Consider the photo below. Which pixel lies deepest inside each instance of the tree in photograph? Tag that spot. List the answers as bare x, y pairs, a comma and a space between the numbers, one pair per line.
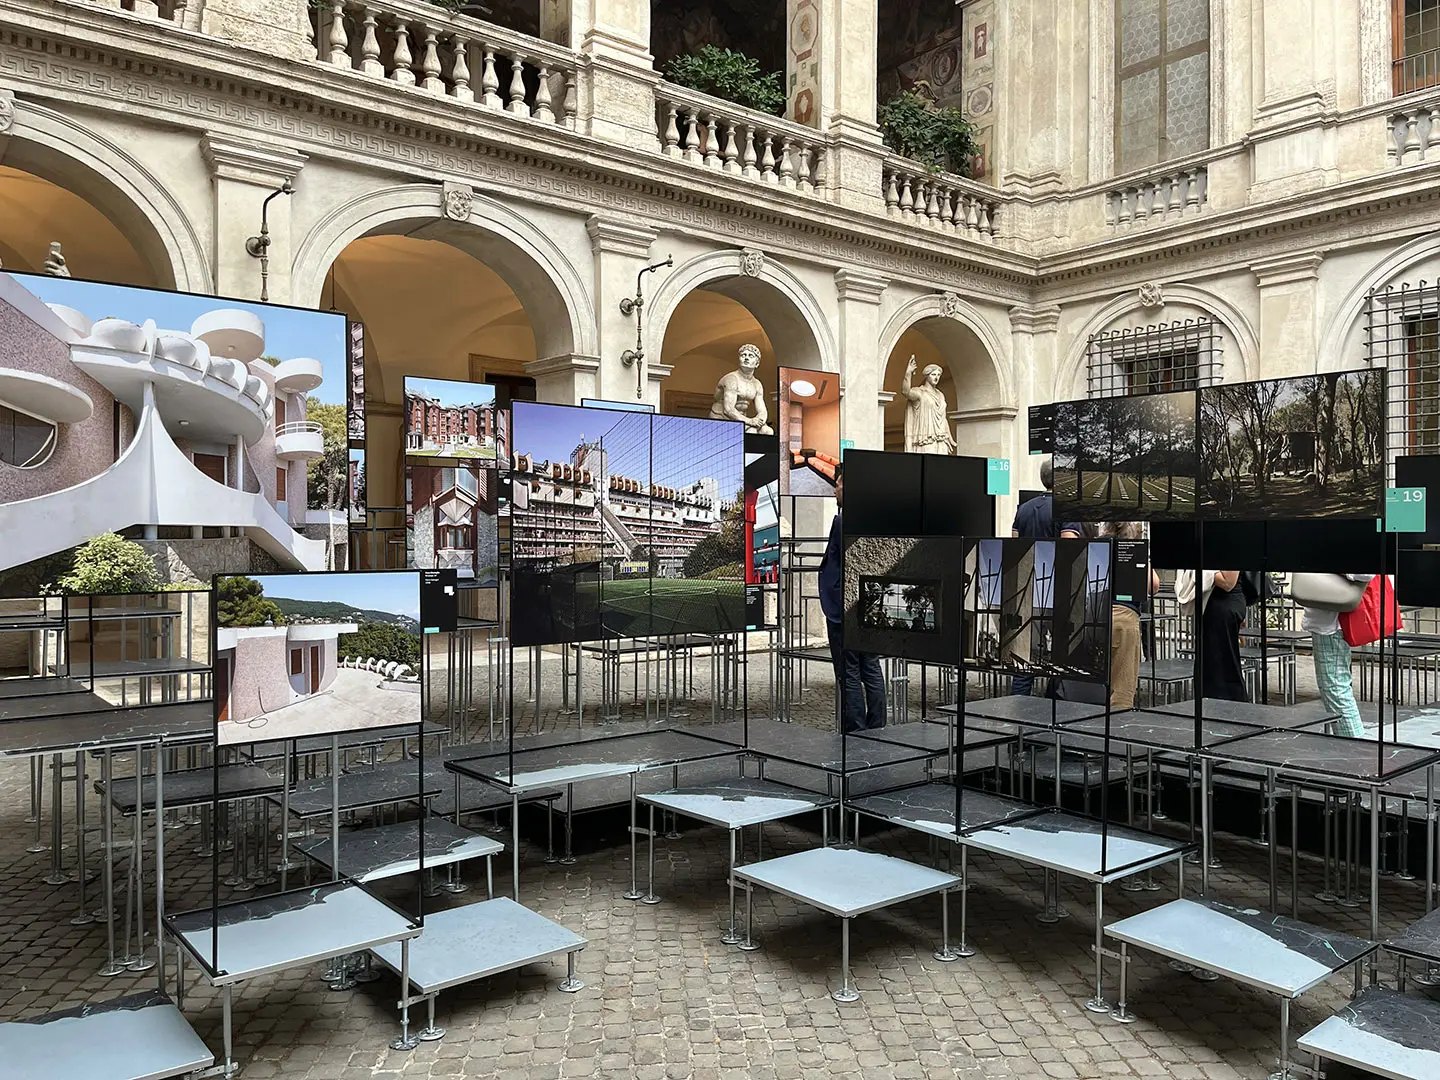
1253, 410
328, 476
383, 641
241, 601
109, 565
920, 604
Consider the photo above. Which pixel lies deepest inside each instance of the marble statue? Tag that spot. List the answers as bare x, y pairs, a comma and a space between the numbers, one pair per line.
927, 428
740, 392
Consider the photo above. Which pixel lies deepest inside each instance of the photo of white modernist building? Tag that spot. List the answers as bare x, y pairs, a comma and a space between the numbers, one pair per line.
315, 654
210, 432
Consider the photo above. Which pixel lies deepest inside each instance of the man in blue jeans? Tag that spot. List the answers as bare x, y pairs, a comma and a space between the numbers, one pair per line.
858, 680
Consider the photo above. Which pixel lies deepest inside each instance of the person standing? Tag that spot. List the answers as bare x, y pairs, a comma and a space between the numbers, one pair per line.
1125, 640
1035, 520
1223, 615
858, 679
1331, 654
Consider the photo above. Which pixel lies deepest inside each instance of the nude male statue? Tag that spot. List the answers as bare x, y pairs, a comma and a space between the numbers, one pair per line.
739, 391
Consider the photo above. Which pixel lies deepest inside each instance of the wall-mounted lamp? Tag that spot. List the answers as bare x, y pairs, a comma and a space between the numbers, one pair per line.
259, 246
635, 305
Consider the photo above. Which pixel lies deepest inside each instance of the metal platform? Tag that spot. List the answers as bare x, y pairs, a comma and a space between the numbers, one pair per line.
193, 787
1077, 846
140, 1037
385, 851
593, 759
930, 809
846, 882
171, 725
1384, 1032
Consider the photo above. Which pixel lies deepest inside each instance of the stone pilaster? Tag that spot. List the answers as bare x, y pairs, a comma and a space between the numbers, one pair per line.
1293, 143
862, 368
1289, 314
1033, 341
243, 174
621, 249
278, 27
565, 379
616, 96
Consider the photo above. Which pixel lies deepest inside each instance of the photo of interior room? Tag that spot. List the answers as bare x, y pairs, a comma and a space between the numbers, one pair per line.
809, 431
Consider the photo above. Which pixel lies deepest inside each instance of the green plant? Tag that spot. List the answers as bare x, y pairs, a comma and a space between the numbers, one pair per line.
241, 601
108, 565
725, 73
383, 641
936, 138
328, 477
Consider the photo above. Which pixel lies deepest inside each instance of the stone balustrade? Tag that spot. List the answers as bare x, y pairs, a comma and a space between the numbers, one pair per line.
416, 45
1414, 134
939, 200
1158, 197
715, 134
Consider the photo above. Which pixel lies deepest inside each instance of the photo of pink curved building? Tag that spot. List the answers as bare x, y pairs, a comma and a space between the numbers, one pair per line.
210, 432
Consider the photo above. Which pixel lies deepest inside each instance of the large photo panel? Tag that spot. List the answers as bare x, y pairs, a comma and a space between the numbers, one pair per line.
451, 521
316, 654
809, 426
162, 437
449, 422
1303, 448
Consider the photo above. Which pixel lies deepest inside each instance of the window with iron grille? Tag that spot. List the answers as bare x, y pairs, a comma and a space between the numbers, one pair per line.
1402, 335
1153, 359
1415, 36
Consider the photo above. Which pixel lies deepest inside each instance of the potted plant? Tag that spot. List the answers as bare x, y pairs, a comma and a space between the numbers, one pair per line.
731, 75
914, 127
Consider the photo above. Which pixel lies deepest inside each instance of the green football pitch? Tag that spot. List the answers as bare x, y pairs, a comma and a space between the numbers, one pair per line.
658, 606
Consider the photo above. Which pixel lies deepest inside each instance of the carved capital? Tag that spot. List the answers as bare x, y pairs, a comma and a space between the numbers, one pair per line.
1287, 269
457, 200
858, 285
610, 236
249, 161
1035, 320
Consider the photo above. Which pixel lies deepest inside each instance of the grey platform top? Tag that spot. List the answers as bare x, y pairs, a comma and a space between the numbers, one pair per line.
1073, 845
739, 801
286, 930
61, 703
935, 738
1310, 753
1271, 952
140, 1037
191, 721
392, 782
844, 881
193, 787
463, 944
1031, 711
1384, 1032
133, 669
1420, 940
593, 759
1160, 731
384, 851
825, 750
41, 685
1273, 717
930, 808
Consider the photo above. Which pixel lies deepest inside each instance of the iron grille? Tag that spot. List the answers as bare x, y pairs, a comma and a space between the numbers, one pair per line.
1154, 359
1402, 335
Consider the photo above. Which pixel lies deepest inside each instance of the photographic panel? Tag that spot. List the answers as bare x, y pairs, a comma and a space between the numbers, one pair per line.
355, 386
903, 596
448, 422
316, 654
1126, 458
762, 525
809, 426
451, 521
146, 427
1293, 449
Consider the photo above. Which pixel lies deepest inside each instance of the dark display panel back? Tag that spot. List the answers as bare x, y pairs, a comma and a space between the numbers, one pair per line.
1300, 547
892, 494
1421, 471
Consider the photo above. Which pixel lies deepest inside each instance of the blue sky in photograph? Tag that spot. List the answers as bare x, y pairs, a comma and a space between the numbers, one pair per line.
289, 332
990, 561
449, 392
684, 450
397, 593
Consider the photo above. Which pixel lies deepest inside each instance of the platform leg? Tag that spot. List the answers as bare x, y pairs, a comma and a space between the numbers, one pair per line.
550, 829
846, 992
1284, 1073
650, 897
731, 936
57, 875
82, 917
430, 1033
568, 858
1098, 1004
514, 847
1122, 1013
406, 1041
107, 871
634, 893
228, 1011
570, 984
945, 954
749, 944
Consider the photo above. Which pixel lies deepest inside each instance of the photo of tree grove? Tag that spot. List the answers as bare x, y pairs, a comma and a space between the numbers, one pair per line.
1309, 447
1125, 458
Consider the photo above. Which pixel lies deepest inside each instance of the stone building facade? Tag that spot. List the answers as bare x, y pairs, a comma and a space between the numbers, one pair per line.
1171, 190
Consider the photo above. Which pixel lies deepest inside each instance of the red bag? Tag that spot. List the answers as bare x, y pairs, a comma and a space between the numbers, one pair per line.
1362, 626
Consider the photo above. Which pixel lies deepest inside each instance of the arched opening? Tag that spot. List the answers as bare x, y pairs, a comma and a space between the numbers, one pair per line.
39, 212
702, 344
753, 27
968, 380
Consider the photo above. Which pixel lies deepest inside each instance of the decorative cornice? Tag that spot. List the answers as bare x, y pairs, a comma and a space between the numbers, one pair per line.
975, 416
571, 363
1287, 269
885, 397
248, 161
658, 372
859, 286
1035, 320
609, 236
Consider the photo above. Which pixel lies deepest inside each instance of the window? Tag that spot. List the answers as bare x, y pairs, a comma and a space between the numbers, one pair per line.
297, 661
1162, 81
25, 441
281, 486
1153, 360
1422, 383
1415, 30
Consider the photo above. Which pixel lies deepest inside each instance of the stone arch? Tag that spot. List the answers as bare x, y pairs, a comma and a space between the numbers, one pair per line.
1069, 377
1343, 327
955, 326
550, 289
51, 145
786, 310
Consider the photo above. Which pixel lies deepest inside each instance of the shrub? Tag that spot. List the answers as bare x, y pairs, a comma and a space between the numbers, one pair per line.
107, 565
725, 73
936, 138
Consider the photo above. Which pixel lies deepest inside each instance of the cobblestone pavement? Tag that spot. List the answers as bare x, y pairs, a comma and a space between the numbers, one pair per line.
665, 999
